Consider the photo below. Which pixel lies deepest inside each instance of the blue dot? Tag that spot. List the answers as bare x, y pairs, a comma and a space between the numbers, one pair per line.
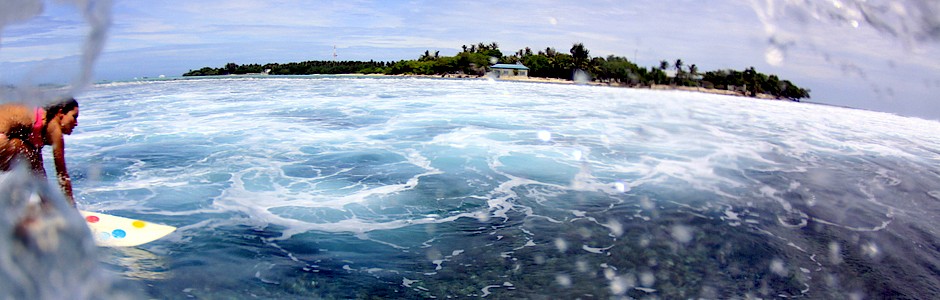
118, 233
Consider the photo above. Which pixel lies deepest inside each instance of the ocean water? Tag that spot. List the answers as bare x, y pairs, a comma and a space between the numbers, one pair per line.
338, 187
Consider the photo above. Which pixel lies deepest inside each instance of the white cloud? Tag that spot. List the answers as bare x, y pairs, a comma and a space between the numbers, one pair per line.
25, 34
37, 53
398, 41
142, 25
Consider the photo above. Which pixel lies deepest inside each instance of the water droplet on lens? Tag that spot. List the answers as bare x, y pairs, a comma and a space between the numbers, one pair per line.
582, 266
609, 274
621, 284
647, 279
545, 136
646, 203
681, 233
563, 280
434, 254
561, 245
617, 287
856, 296
584, 233
483, 216
870, 249
620, 187
581, 77
777, 266
615, 227
774, 56
835, 253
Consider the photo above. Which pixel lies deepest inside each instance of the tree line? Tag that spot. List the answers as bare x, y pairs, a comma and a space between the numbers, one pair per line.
294, 68
475, 60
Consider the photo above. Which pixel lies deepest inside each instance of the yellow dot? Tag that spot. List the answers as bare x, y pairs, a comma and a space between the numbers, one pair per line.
138, 224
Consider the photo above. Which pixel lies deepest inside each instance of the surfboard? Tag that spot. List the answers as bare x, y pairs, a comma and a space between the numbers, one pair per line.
115, 231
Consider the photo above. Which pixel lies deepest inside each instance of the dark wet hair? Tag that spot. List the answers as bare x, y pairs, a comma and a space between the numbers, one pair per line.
61, 107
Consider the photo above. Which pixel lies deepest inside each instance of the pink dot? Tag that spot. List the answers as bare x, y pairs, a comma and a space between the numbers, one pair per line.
92, 219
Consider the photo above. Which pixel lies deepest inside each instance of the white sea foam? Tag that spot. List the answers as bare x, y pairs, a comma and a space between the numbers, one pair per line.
405, 168
261, 141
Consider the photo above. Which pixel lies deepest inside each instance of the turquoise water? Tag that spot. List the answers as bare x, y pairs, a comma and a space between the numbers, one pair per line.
338, 187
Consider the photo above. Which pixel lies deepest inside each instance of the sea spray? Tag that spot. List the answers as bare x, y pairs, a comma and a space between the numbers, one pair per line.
45, 249
29, 86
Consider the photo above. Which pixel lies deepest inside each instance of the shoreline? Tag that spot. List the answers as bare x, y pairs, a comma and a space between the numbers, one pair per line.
657, 87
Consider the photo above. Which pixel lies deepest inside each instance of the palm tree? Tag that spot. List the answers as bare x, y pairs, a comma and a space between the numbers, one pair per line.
750, 79
230, 68
549, 51
663, 65
678, 66
581, 56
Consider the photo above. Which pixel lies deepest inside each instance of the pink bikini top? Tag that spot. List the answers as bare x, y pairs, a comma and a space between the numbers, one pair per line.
35, 136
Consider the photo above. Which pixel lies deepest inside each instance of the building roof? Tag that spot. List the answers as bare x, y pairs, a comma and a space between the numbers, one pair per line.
509, 66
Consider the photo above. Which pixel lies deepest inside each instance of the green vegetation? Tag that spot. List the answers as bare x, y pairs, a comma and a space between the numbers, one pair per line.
474, 60
301, 68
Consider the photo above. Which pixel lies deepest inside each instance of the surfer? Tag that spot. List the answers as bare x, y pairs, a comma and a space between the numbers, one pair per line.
25, 130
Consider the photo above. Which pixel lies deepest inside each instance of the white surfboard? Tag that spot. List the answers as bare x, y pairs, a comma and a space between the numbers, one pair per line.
114, 231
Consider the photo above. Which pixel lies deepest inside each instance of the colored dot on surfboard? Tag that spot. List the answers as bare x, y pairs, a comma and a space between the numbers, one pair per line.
118, 233
92, 219
138, 224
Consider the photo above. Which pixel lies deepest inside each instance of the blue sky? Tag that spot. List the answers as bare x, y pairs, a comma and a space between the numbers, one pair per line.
862, 54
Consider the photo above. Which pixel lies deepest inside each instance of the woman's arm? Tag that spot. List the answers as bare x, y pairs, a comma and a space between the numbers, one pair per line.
58, 153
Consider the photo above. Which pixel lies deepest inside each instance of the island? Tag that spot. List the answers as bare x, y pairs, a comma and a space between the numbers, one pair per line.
544, 65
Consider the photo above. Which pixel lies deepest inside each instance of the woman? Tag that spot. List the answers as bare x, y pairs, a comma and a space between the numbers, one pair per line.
25, 130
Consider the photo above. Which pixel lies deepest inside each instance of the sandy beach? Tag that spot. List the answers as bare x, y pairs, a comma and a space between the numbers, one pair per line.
595, 83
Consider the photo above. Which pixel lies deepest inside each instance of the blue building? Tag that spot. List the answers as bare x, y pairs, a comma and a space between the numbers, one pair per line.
510, 71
